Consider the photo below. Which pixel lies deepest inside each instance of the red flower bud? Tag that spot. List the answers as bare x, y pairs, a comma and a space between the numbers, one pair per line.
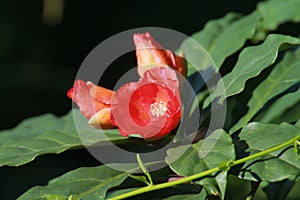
149, 54
150, 107
94, 102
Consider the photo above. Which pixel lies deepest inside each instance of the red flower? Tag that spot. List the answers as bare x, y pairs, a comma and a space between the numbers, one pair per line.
149, 54
94, 103
150, 107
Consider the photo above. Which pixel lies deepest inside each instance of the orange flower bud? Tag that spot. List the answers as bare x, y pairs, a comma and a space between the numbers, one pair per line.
94, 103
150, 54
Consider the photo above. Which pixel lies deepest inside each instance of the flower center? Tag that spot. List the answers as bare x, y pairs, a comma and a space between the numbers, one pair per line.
158, 109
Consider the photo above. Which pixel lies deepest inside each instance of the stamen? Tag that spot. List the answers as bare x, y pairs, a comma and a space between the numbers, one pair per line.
158, 109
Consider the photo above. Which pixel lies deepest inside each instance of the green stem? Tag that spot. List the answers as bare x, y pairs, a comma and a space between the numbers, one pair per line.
144, 169
205, 173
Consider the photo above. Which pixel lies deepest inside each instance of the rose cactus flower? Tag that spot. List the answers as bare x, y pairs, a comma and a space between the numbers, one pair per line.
94, 103
150, 107
151, 54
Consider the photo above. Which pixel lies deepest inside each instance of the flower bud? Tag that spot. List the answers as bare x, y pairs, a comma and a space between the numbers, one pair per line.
150, 54
93, 101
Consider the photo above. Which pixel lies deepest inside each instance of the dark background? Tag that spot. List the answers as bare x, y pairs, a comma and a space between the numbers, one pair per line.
39, 60
40, 56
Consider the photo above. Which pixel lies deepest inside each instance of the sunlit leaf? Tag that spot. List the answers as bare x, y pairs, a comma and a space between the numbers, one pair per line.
283, 76
251, 62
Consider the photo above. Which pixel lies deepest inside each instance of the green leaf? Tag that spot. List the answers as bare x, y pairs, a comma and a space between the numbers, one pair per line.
276, 166
276, 12
83, 183
204, 155
220, 38
251, 62
298, 123
200, 196
215, 186
290, 115
200, 97
204, 39
55, 197
283, 76
47, 134
279, 107
111, 194
236, 184
279, 190
158, 194
142, 179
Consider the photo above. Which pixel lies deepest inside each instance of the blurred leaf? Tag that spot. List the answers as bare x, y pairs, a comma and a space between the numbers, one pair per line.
204, 155
236, 184
220, 38
279, 190
283, 76
276, 12
295, 192
215, 186
82, 183
198, 99
53, 12
47, 134
253, 189
279, 107
251, 62
193, 49
298, 123
275, 166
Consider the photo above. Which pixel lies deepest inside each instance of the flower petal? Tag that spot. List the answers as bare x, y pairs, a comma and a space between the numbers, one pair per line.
150, 54
150, 107
90, 98
101, 120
